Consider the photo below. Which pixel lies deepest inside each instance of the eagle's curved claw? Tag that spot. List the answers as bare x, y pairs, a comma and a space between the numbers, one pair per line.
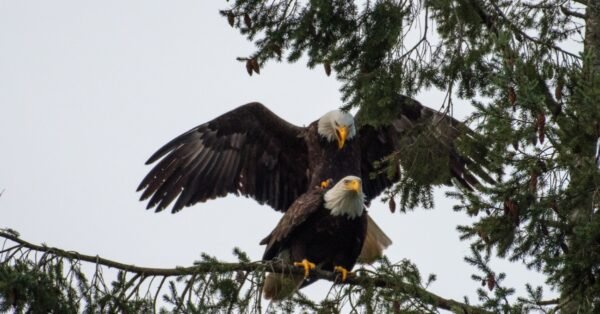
308, 266
326, 183
343, 271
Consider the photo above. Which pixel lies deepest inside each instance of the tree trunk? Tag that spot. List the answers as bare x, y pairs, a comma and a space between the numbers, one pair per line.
592, 33
584, 171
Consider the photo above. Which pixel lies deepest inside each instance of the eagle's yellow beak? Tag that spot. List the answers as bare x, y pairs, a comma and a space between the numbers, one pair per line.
342, 133
354, 185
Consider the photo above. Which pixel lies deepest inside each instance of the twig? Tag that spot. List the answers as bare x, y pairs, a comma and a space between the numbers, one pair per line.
158, 292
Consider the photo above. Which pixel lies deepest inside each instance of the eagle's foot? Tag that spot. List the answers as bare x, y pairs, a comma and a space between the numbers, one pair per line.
343, 271
308, 266
326, 183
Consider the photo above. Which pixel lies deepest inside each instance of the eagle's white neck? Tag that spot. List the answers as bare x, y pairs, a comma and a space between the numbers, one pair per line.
344, 202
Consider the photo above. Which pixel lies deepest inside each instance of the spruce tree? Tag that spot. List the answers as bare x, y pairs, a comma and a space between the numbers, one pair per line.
530, 69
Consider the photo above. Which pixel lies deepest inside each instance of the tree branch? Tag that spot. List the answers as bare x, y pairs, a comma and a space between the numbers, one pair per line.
516, 29
567, 11
361, 279
548, 302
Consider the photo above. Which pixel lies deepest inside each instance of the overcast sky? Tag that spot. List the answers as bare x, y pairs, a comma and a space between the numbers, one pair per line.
90, 89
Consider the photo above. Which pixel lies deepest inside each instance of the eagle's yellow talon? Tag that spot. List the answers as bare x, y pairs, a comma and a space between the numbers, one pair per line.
342, 271
326, 183
308, 266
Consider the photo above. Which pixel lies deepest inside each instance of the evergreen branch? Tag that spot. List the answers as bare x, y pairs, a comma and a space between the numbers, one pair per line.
361, 279
523, 34
491, 25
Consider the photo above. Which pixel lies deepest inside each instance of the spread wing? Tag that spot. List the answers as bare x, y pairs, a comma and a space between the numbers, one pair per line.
298, 213
248, 151
425, 143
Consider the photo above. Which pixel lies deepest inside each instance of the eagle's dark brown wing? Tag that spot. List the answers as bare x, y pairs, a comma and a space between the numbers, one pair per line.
248, 151
424, 142
306, 205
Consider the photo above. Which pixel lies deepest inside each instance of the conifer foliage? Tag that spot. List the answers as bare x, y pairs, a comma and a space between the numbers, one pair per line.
530, 69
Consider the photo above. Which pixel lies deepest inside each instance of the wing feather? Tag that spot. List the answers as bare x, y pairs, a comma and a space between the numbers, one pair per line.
248, 151
300, 210
414, 129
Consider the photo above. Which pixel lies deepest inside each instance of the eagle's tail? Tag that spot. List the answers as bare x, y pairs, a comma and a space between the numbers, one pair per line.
281, 286
375, 242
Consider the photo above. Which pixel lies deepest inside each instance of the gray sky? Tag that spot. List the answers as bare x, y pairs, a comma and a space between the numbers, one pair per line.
90, 89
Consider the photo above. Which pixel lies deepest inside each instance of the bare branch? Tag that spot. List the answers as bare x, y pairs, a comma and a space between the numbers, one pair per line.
567, 11
548, 302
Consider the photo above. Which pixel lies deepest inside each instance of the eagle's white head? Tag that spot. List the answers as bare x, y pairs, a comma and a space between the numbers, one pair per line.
346, 197
337, 125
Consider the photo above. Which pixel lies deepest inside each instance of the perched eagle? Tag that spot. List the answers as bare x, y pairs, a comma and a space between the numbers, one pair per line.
320, 229
253, 152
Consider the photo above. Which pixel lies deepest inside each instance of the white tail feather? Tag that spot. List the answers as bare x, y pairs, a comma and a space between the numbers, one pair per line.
280, 286
376, 241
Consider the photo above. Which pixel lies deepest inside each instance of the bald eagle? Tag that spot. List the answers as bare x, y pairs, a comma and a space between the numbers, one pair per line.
253, 152
320, 229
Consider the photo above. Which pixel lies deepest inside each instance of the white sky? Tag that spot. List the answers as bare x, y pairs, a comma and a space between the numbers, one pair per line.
90, 89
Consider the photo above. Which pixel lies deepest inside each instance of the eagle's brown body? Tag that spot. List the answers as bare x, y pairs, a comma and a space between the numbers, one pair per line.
340, 162
309, 231
351, 159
